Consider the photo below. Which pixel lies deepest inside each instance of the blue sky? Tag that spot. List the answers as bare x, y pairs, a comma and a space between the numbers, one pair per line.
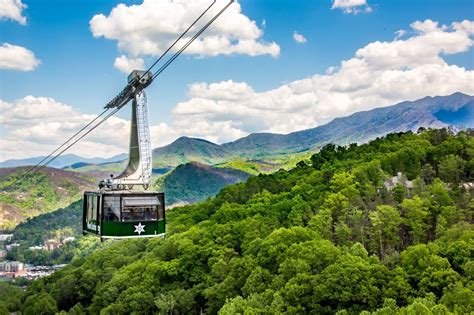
77, 69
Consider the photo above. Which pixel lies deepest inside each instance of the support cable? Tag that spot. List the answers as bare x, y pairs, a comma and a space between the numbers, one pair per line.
50, 158
177, 40
163, 67
73, 143
32, 169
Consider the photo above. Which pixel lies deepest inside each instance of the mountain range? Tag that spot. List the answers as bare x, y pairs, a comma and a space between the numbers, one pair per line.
63, 161
429, 112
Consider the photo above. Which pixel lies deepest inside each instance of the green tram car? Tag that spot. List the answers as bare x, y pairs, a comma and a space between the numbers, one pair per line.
121, 214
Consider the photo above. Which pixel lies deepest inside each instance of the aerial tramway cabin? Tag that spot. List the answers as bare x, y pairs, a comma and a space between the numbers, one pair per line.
121, 214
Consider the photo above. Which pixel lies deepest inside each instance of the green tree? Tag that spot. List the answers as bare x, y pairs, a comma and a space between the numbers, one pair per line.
416, 213
399, 193
386, 222
459, 299
41, 304
452, 169
428, 173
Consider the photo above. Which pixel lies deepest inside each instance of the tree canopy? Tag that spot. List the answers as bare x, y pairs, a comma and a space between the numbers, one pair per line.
325, 237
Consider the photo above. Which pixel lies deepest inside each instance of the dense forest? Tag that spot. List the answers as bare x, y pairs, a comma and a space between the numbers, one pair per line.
335, 234
192, 182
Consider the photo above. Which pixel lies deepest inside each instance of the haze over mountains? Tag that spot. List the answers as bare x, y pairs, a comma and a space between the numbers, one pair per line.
429, 112
63, 160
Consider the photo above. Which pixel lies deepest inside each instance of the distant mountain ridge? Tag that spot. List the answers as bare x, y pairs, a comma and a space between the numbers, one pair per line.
63, 160
434, 112
186, 149
429, 112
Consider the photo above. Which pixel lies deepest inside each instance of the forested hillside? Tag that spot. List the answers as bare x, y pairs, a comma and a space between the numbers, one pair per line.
42, 192
58, 225
194, 181
331, 235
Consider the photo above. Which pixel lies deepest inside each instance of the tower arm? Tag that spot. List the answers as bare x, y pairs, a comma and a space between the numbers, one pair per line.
137, 82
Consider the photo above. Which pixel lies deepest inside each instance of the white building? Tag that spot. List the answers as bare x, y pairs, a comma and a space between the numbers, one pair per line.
399, 179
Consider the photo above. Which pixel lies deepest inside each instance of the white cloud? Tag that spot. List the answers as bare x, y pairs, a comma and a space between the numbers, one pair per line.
352, 6
300, 39
14, 57
127, 65
151, 27
400, 34
379, 74
11, 9
34, 126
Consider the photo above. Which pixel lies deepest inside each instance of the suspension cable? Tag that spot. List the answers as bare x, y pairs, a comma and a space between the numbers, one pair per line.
50, 158
32, 169
73, 143
177, 40
162, 68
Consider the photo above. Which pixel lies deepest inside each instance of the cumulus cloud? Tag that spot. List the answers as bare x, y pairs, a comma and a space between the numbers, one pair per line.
351, 6
11, 9
14, 57
150, 28
34, 126
127, 65
300, 39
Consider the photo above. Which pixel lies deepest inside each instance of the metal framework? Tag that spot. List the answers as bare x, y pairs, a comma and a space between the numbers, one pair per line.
139, 167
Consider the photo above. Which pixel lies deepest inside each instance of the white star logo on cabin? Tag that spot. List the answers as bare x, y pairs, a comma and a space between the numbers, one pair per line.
139, 228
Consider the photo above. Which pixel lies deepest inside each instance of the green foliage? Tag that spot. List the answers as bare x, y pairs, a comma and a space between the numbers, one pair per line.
10, 298
193, 182
322, 238
42, 192
57, 225
41, 304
